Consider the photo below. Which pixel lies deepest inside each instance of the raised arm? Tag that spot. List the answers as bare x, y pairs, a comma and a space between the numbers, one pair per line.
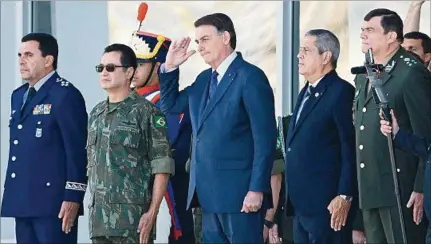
172, 100
412, 19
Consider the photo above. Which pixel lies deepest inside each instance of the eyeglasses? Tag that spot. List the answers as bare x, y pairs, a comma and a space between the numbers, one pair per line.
108, 67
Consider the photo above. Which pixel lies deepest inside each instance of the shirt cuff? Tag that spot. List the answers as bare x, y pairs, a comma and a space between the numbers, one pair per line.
163, 166
163, 69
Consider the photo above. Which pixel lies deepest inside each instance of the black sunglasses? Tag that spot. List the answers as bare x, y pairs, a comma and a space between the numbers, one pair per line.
109, 67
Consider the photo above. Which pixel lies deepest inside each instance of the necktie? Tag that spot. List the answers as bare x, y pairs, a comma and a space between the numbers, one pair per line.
305, 98
30, 94
213, 84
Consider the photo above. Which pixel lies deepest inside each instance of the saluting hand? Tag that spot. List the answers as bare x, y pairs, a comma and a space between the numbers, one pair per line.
178, 54
68, 212
338, 209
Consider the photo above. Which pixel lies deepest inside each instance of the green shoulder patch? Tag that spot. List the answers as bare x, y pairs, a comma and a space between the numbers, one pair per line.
160, 122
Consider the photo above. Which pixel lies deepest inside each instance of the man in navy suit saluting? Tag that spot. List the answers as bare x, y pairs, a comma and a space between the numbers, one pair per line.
234, 134
320, 147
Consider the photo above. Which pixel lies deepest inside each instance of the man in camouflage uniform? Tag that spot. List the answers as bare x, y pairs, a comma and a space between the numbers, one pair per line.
127, 143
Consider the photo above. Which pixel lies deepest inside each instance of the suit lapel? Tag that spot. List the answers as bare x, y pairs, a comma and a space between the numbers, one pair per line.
315, 96
204, 96
294, 116
20, 97
40, 95
223, 86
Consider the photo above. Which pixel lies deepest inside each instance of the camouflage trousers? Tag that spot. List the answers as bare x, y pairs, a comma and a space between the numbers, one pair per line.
197, 212
133, 239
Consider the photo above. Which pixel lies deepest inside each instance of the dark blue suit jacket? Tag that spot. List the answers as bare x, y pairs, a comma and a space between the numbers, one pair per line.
421, 148
234, 136
47, 155
320, 149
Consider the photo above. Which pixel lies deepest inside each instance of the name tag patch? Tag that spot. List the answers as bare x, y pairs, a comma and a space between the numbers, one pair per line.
38, 132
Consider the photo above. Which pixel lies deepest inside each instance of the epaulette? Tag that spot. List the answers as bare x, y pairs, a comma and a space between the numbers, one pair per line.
63, 82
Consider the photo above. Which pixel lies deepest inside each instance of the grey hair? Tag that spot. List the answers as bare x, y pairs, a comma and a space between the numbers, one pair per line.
326, 41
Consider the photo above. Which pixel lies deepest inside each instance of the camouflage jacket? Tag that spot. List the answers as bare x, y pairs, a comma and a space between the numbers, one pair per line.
127, 143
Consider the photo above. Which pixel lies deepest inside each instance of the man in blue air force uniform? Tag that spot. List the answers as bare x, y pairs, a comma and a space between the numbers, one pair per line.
151, 50
46, 175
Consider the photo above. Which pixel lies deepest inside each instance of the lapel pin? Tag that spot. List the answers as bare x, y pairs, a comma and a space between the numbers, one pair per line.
316, 94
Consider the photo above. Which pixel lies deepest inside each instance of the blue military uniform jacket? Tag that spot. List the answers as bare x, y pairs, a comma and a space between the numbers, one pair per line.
47, 155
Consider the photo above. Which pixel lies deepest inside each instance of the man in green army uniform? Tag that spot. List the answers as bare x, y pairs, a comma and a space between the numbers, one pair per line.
127, 143
271, 217
407, 85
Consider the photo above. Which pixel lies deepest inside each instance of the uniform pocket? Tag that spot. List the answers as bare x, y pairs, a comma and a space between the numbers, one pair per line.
126, 136
129, 195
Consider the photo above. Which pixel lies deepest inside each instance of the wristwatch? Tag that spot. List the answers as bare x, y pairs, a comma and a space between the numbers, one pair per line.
348, 199
268, 224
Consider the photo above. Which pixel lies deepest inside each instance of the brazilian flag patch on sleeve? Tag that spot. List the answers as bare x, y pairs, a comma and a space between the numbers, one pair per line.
160, 122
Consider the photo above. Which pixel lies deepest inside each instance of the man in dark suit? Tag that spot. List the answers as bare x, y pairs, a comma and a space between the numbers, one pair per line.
417, 145
320, 154
234, 134
46, 175
406, 82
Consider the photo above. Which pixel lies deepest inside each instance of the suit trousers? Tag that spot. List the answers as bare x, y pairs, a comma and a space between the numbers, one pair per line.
233, 227
317, 230
382, 225
44, 230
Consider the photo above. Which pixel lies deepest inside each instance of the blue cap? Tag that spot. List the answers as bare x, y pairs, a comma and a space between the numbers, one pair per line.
149, 47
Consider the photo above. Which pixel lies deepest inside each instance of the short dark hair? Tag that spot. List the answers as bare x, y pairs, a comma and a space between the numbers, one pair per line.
127, 55
222, 23
426, 40
416, 56
47, 45
390, 21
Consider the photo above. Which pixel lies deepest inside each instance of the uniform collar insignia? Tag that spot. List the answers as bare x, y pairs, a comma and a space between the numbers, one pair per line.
389, 66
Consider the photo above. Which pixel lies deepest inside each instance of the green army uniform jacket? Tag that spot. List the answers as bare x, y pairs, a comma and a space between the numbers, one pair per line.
407, 86
127, 143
